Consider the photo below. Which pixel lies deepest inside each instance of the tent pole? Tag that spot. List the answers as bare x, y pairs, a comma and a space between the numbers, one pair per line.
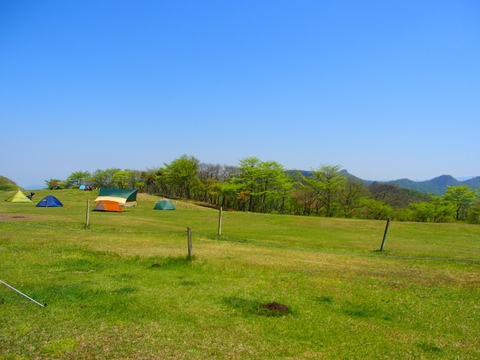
19, 292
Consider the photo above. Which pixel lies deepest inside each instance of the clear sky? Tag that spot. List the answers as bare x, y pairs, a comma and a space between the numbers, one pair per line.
385, 89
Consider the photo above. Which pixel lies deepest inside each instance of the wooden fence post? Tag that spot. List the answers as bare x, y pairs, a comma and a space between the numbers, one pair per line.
189, 239
220, 222
87, 220
385, 234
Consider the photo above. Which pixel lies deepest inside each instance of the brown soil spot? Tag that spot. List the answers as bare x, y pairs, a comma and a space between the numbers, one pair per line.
276, 307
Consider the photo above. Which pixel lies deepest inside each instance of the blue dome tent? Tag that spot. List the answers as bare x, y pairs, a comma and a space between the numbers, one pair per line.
49, 201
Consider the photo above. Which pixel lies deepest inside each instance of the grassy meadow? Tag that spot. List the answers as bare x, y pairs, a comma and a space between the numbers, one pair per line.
123, 288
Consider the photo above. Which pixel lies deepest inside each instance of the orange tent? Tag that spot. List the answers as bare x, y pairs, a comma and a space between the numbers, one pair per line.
106, 205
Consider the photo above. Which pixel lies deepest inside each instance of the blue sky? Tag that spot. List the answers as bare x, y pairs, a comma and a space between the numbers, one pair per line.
385, 89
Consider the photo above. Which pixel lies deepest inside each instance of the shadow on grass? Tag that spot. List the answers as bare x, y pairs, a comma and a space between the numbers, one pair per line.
325, 299
429, 347
172, 262
124, 290
360, 310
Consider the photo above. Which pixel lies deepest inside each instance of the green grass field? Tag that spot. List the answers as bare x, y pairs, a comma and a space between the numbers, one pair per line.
123, 288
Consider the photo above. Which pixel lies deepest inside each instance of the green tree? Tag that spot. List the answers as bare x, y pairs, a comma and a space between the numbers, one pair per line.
327, 184
55, 184
135, 180
161, 183
182, 173
245, 183
474, 212
421, 211
233, 197
435, 210
212, 188
78, 178
374, 209
273, 186
301, 196
262, 186
120, 179
209, 175
302, 199
440, 209
460, 197
103, 178
148, 178
350, 196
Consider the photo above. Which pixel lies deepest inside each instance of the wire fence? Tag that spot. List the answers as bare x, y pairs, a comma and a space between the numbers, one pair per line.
198, 235
376, 253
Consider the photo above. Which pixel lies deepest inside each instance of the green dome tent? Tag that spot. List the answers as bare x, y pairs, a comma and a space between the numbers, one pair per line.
164, 204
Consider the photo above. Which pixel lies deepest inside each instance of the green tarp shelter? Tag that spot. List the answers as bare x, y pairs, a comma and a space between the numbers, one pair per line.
121, 196
164, 204
19, 197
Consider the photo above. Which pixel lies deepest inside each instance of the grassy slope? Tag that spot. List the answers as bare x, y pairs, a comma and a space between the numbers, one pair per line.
7, 184
123, 289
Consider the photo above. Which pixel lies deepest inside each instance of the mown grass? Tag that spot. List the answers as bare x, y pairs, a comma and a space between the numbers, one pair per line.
123, 288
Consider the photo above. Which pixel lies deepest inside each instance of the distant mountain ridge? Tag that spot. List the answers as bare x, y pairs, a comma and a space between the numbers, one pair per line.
435, 186
438, 185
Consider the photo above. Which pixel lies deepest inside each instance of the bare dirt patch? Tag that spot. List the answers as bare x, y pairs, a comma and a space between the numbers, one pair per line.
12, 217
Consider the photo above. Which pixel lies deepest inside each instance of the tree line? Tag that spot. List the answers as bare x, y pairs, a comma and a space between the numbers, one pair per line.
266, 187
